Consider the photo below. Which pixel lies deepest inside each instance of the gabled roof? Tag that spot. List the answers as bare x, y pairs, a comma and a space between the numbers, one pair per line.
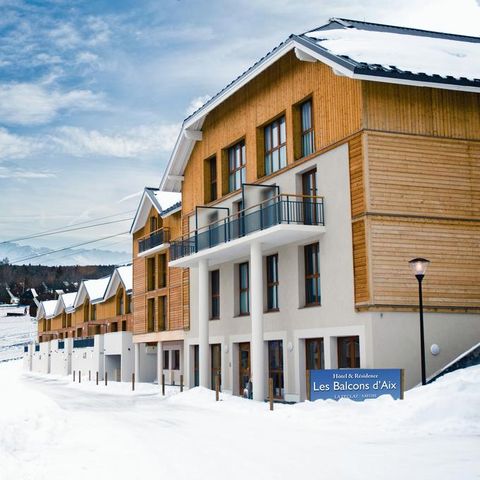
46, 309
358, 50
164, 202
95, 289
121, 276
65, 302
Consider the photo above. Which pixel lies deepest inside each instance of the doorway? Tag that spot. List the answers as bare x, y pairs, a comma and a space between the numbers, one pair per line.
216, 362
243, 366
275, 367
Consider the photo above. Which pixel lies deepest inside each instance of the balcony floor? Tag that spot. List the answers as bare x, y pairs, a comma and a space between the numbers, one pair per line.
276, 236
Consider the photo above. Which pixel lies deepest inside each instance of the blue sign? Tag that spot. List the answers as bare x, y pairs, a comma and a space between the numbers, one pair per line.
356, 384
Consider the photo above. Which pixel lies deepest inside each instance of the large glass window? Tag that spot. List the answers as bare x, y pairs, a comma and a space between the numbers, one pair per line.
272, 282
150, 315
151, 273
162, 313
212, 174
307, 133
244, 289
215, 294
275, 146
312, 274
348, 350
120, 305
162, 270
236, 166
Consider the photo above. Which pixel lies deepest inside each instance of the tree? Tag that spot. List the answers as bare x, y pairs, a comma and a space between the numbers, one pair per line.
5, 261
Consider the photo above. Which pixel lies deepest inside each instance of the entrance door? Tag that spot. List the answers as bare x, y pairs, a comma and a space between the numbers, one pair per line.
216, 353
314, 354
196, 369
309, 190
275, 366
243, 365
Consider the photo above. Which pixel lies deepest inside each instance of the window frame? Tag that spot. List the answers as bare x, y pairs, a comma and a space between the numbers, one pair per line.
214, 295
314, 275
269, 151
212, 178
271, 282
162, 313
243, 289
162, 270
232, 173
306, 131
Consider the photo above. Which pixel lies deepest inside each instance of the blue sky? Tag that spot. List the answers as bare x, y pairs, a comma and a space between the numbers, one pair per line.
92, 93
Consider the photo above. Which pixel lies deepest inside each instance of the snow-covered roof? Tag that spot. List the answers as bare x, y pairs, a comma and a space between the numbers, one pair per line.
65, 302
403, 53
358, 50
121, 276
95, 289
46, 309
164, 202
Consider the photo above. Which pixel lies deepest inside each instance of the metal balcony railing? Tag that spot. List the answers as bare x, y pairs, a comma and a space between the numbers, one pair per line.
281, 209
154, 239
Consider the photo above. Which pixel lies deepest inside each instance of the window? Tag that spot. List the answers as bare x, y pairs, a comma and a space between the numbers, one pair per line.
162, 313
124, 325
93, 313
150, 315
312, 274
86, 310
151, 273
153, 224
215, 294
176, 360
166, 359
120, 303
348, 352
211, 179
306, 126
244, 289
275, 146
64, 320
162, 270
129, 303
272, 282
236, 166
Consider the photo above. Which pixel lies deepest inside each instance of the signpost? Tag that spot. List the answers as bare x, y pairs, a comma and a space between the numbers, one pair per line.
355, 384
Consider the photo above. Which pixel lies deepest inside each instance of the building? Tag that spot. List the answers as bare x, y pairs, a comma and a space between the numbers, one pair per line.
88, 331
307, 185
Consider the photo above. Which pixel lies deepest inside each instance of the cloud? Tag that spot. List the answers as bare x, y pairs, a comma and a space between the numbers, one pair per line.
15, 146
33, 104
13, 170
142, 141
196, 103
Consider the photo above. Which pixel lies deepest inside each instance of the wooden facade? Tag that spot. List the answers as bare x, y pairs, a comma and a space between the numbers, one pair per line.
150, 300
414, 174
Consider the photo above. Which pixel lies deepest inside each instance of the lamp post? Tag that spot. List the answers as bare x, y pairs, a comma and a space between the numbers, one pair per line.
419, 267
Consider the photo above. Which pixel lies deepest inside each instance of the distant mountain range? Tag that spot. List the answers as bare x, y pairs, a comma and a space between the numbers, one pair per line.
79, 256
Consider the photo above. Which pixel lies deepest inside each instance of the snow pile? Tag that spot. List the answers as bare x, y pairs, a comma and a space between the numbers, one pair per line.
51, 428
410, 53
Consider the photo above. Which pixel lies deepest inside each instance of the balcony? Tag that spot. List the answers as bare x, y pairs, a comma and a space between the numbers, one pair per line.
279, 220
153, 240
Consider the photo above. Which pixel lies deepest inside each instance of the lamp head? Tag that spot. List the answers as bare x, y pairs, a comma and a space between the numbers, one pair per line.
419, 266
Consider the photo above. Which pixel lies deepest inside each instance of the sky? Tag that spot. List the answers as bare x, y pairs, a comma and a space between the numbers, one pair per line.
93, 93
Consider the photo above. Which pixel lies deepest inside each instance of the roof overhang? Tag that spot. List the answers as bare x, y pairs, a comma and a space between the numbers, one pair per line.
147, 201
112, 287
305, 50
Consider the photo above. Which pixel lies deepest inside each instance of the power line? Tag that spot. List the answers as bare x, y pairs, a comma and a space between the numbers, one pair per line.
109, 244
66, 248
68, 226
55, 232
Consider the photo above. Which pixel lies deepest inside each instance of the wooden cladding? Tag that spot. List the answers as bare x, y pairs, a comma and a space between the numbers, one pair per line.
453, 278
360, 262
421, 111
357, 181
423, 175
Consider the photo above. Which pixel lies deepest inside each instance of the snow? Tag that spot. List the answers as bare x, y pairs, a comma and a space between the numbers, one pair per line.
407, 52
126, 274
96, 288
51, 428
48, 308
15, 332
167, 200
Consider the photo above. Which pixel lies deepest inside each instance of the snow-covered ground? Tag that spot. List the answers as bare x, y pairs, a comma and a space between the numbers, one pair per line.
14, 333
51, 428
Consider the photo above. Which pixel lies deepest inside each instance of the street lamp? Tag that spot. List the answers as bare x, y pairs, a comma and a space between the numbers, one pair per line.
419, 267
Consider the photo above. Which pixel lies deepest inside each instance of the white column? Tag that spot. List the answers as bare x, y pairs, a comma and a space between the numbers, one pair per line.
256, 313
203, 322
159, 362
137, 362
